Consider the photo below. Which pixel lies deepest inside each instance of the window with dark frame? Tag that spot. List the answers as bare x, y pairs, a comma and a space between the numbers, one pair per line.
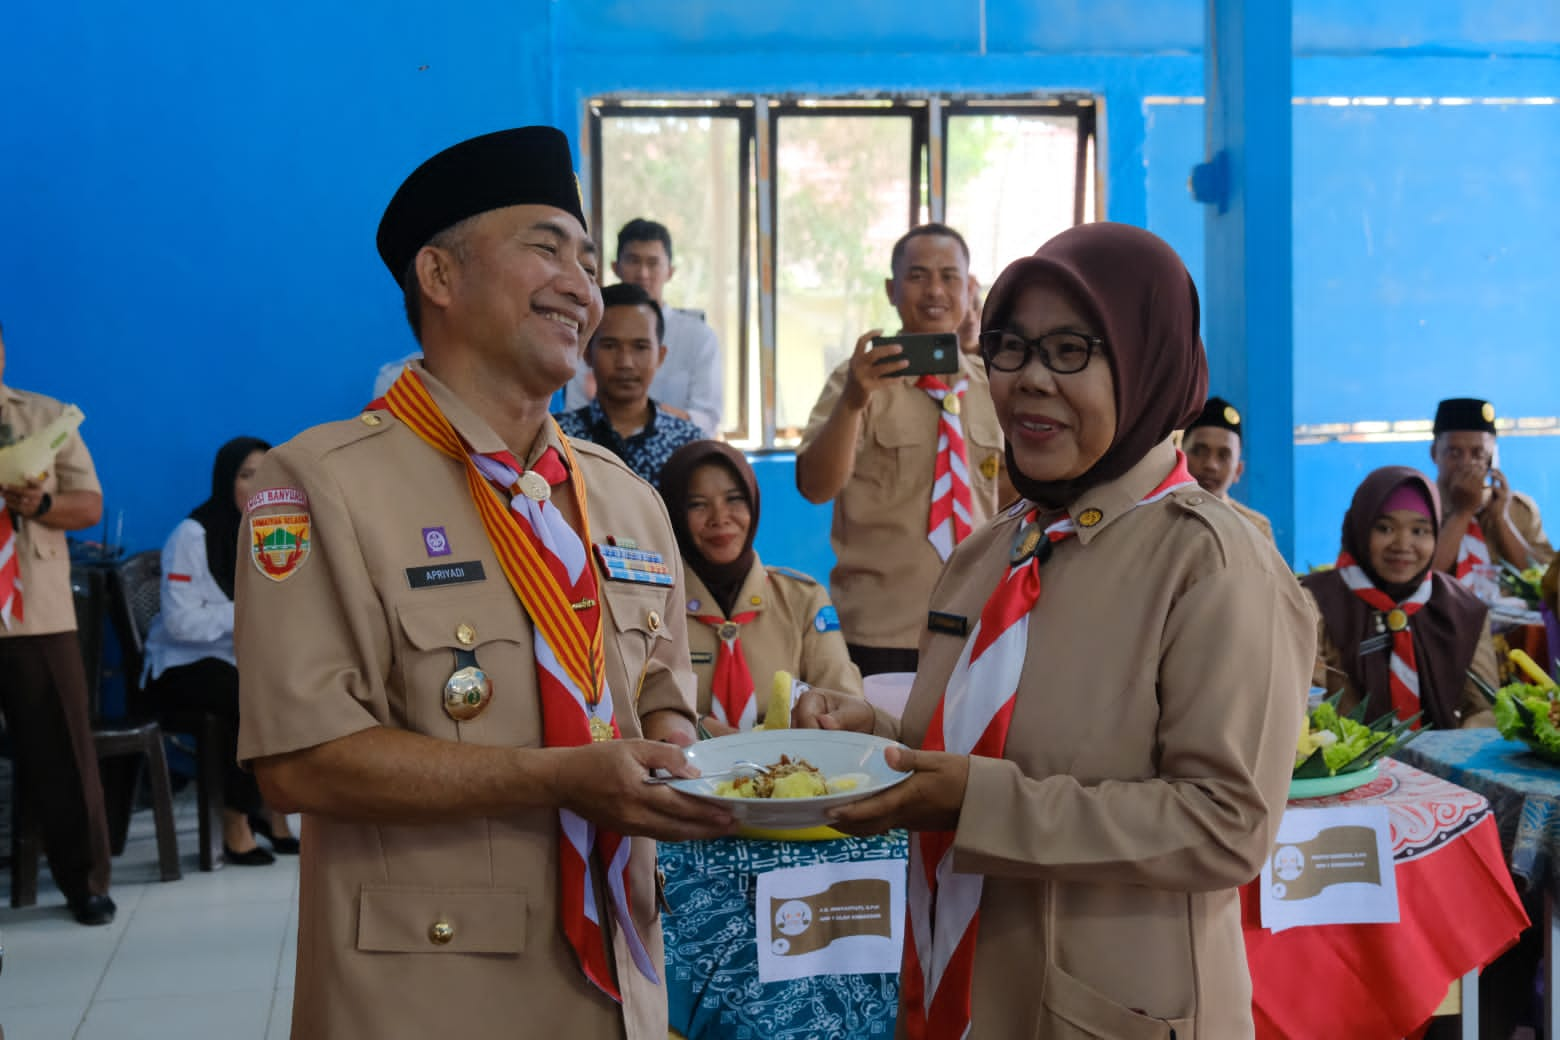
783, 210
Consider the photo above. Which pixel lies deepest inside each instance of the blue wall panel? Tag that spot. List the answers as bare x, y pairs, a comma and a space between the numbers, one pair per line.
1425, 259
189, 193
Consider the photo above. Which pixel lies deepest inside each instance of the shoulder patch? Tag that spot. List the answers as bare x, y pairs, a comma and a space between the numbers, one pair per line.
827, 619
690, 312
794, 575
279, 544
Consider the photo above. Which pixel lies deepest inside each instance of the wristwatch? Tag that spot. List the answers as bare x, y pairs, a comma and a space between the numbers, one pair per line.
45, 504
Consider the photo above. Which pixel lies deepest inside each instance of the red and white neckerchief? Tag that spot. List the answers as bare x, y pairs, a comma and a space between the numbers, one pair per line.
546, 564
1472, 552
972, 719
1403, 669
10, 572
732, 697
949, 522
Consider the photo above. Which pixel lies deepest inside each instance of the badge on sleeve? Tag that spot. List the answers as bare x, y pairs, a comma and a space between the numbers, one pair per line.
277, 497
279, 544
827, 619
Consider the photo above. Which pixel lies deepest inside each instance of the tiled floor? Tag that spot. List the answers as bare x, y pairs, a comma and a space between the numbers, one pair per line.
210, 955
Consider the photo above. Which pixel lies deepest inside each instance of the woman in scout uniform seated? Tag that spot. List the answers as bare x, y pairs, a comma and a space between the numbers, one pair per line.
745, 621
189, 649
1104, 740
1391, 630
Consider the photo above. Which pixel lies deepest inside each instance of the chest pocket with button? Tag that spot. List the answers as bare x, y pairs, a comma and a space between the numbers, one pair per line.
495, 630
636, 623
900, 446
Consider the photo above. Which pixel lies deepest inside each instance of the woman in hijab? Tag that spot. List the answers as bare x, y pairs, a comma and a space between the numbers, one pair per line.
745, 621
189, 650
1392, 631
1106, 713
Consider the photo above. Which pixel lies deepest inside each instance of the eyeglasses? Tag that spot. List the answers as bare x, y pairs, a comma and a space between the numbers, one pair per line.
1062, 352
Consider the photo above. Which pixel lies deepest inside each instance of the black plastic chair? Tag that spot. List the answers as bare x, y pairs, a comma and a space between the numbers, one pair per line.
115, 740
136, 598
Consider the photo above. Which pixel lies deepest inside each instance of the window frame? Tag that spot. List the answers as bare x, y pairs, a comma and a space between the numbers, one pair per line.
758, 132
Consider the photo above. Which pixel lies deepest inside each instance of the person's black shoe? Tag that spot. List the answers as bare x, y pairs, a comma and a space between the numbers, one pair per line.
287, 846
93, 910
255, 857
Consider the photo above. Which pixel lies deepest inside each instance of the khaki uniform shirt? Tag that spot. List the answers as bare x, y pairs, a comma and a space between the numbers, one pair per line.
1523, 512
1473, 711
347, 643
1253, 517
1146, 767
884, 565
795, 631
47, 603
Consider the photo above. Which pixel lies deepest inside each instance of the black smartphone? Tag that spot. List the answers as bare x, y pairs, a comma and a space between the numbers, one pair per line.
929, 353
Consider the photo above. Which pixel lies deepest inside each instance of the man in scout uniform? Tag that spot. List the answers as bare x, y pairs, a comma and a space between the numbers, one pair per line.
43, 686
910, 464
624, 354
454, 630
690, 384
1212, 447
1483, 520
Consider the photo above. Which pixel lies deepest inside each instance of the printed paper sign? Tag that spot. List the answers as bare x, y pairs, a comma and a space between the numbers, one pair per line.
831, 919
1330, 866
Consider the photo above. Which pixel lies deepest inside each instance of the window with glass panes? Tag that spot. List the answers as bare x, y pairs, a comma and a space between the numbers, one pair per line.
783, 211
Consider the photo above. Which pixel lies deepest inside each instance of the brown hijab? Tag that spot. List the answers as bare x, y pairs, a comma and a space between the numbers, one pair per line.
1446, 630
724, 580
1143, 301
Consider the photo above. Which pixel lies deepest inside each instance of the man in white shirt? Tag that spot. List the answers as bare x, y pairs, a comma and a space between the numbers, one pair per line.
690, 384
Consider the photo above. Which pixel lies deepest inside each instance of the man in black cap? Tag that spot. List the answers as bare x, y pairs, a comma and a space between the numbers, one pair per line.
1212, 446
453, 630
1483, 521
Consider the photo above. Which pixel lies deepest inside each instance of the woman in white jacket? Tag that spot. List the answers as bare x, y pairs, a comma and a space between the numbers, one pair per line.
189, 650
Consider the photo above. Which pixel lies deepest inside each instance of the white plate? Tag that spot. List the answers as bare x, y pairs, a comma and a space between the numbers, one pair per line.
832, 752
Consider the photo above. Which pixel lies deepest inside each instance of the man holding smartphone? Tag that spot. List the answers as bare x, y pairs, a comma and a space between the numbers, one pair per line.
911, 462
1483, 521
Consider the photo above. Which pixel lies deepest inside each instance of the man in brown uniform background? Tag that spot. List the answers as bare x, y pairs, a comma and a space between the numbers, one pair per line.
43, 684
1212, 447
374, 601
871, 447
1474, 491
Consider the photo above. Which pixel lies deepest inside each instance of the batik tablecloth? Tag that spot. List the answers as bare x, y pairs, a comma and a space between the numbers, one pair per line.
712, 952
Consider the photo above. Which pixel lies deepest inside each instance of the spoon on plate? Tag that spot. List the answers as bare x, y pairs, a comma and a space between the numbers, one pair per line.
740, 766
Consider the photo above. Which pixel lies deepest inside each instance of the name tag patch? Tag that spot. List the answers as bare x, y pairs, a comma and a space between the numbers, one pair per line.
701, 657
827, 619
439, 574
635, 566
948, 624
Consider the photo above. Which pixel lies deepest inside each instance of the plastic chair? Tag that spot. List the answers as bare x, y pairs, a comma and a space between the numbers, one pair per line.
136, 600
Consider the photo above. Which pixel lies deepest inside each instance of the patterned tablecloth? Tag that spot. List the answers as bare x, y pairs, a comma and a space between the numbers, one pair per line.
1426, 812
712, 951
1457, 912
1522, 789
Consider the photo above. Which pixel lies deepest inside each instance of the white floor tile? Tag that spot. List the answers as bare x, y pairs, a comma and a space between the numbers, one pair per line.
43, 1023
231, 1016
52, 960
281, 1014
198, 949
277, 883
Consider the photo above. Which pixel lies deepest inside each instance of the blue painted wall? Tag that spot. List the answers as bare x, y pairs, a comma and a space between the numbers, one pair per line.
188, 193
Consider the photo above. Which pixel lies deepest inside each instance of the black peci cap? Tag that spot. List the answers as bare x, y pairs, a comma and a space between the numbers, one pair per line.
528, 165
1218, 413
1464, 413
